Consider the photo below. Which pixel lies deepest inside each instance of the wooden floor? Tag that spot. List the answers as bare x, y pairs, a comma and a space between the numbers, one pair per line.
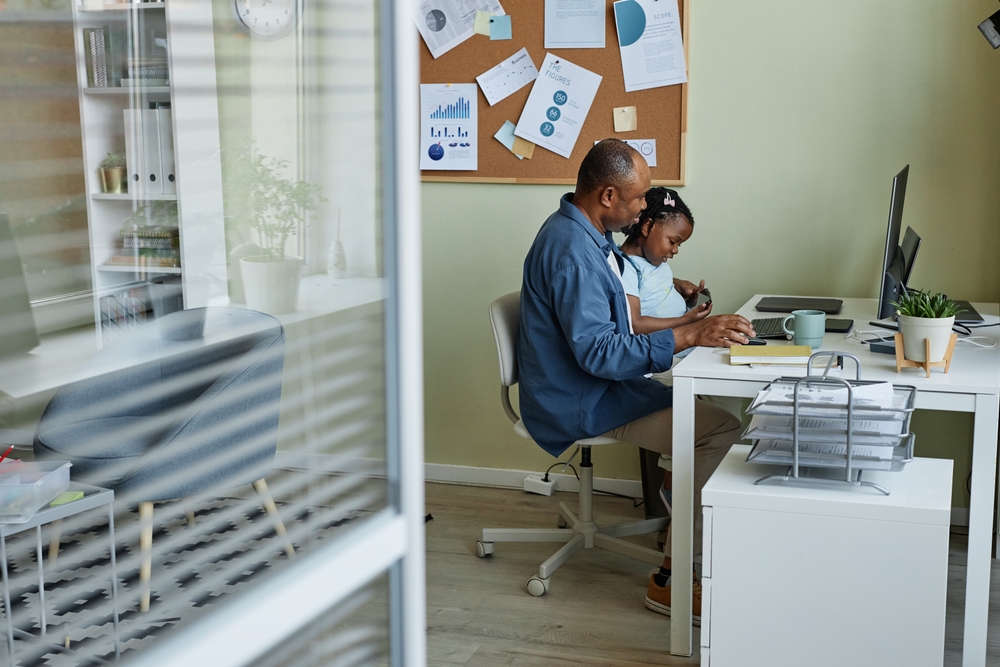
479, 613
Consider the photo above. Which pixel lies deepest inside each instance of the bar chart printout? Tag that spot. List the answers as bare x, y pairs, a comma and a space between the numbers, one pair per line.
449, 122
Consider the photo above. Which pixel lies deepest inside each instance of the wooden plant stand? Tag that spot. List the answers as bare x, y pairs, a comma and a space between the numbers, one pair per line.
902, 362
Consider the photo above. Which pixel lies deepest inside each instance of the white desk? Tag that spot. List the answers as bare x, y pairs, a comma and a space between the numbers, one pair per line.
973, 385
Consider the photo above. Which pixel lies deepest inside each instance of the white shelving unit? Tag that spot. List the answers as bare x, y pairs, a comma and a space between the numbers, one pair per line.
192, 95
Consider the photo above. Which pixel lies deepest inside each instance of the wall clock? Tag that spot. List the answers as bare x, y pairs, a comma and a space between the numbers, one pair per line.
266, 19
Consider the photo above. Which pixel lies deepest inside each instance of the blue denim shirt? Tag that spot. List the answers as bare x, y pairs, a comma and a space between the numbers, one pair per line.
580, 370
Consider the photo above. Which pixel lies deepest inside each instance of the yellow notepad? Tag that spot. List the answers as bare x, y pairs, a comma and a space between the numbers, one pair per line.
785, 355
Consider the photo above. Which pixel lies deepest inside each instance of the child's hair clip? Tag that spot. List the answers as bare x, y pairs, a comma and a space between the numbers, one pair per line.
667, 201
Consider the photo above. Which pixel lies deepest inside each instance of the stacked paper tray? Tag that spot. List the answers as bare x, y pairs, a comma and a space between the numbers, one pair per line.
879, 424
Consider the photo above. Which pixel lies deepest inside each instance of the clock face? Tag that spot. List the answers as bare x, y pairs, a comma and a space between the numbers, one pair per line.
269, 19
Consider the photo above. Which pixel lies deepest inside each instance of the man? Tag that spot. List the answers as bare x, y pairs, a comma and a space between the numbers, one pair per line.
581, 370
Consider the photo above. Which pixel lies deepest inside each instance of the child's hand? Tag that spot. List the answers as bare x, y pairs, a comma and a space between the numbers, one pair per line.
688, 289
697, 313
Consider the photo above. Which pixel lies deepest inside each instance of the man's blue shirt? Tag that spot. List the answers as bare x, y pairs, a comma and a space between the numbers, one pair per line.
580, 370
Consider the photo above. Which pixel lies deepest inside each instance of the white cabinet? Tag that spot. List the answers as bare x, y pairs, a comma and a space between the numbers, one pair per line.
825, 576
181, 33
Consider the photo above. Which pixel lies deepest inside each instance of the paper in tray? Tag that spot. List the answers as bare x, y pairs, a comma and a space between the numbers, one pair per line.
777, 452
813, 429
872, 401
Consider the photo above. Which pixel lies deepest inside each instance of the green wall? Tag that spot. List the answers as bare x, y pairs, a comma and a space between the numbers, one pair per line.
800, 114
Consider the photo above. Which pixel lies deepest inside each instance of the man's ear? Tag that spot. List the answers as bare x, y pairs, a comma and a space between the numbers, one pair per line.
608, 196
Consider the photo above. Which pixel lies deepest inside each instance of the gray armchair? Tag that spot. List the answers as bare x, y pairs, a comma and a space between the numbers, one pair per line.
182, 406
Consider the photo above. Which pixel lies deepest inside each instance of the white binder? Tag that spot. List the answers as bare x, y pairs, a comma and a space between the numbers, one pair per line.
152, 177
133, 151
167, 169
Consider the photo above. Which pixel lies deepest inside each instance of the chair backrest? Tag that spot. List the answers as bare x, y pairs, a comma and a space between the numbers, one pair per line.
504, 316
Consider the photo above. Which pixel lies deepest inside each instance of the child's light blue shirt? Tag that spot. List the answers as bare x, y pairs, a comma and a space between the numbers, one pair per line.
654, 285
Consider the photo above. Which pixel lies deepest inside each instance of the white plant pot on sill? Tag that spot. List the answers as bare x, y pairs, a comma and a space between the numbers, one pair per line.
271, 286
916, 329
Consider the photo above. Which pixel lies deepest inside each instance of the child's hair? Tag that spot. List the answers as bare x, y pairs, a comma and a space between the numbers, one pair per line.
662, 204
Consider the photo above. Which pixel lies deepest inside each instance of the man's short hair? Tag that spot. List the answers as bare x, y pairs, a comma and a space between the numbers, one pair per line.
609, 162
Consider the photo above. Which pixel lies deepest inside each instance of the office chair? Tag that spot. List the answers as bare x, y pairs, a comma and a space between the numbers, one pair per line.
577, 532
185, 405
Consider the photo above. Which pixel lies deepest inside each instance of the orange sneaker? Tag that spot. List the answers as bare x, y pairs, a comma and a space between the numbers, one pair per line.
658, 599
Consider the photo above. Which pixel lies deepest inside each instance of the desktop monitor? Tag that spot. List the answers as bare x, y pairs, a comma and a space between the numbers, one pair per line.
894, 269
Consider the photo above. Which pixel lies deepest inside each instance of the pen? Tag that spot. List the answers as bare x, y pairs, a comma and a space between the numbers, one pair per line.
9, 450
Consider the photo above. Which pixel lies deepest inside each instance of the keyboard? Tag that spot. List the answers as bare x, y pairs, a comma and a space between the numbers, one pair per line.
769, 327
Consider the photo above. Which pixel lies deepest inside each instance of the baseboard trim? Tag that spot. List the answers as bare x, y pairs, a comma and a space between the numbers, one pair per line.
453, 474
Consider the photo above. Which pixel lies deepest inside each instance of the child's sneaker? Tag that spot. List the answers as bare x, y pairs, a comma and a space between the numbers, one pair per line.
658, 599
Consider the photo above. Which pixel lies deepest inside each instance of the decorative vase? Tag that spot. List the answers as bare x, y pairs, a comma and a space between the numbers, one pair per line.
271, 286
336, 259
113, 179
915, 329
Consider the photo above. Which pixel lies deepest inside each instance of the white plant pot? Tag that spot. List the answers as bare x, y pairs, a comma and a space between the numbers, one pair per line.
271, 286
916, 329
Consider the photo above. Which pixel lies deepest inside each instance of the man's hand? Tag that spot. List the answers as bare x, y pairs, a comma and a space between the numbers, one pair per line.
688, 289
718, 331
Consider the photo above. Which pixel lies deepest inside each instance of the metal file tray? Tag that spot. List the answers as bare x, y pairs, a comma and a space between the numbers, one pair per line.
831, 423
779, 452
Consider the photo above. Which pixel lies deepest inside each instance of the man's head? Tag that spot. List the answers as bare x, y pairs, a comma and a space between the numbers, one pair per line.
612, 184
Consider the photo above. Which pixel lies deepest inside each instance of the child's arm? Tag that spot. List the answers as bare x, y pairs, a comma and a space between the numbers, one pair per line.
641, 324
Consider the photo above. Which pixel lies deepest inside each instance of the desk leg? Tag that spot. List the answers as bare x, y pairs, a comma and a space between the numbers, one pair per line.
977, 586
681, 549
6, 598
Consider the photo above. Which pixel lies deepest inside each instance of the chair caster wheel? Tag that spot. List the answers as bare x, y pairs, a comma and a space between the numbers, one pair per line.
537, 587
484, 549
561, 522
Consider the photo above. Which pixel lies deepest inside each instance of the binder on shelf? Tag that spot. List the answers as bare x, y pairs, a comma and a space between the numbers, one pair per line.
152, 177
97, 73
166, 134
133, 151
116, 53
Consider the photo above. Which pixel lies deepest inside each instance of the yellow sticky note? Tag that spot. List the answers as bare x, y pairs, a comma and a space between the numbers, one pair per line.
523, 147
482, 25
67, 497
625, 119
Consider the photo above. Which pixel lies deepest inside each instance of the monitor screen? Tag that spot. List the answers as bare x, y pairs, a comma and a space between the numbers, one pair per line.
893, 264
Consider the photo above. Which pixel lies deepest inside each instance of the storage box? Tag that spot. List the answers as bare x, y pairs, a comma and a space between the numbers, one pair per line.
27, 487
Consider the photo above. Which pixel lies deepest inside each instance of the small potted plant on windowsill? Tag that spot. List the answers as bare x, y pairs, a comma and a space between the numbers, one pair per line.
275, 206
925, 316
113, 173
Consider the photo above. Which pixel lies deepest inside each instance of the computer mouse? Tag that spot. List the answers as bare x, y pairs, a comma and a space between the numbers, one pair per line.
756, 341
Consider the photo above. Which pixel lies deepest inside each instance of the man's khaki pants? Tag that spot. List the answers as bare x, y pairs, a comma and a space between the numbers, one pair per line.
715, 431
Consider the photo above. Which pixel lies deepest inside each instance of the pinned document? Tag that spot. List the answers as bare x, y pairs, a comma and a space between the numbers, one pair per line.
523, 148
574, 24
500, 27
505, 135
508, 77
449, 122
625, 119
649, 37
558, 105
444, 24
482, 24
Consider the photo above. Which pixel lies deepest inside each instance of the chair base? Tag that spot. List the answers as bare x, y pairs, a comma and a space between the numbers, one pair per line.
580, 533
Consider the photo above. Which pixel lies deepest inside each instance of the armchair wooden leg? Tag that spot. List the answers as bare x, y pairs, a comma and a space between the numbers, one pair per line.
260, 486
145, 552
55, 536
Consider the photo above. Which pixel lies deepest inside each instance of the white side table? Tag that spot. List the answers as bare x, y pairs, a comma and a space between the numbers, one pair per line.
93, 497
825, 576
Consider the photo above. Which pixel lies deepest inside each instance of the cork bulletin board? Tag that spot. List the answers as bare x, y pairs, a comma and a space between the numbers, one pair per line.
661, 112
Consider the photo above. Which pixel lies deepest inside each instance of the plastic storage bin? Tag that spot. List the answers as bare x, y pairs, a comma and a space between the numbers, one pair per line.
26, 487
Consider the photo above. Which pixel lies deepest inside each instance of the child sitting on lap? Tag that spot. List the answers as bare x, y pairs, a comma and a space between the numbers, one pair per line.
657, 299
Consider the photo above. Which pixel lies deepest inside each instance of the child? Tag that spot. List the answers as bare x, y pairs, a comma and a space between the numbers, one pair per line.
657, 299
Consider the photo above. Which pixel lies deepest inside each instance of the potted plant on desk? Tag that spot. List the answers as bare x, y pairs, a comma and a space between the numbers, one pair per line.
275, 205
923, 316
